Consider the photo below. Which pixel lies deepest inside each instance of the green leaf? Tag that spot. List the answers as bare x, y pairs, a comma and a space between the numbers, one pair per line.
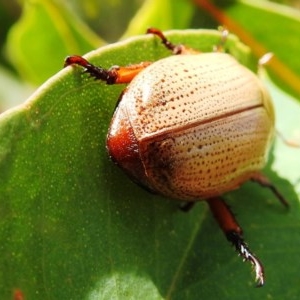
43, 36
73, 226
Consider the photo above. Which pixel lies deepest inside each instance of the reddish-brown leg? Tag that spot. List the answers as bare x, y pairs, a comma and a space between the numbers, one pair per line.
176, 49
113, 75
118, 74
233, 233
265, 182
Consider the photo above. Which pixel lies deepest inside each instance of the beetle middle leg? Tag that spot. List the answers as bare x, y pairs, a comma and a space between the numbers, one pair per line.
234, 234
265, 182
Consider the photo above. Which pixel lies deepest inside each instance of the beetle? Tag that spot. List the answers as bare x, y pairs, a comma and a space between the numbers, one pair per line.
192, 126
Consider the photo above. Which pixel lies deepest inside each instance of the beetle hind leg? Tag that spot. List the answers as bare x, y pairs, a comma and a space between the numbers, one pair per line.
242, 248
233, 233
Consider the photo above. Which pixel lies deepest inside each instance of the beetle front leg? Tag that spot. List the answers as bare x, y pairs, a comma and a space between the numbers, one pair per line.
113, 75
176, 49
234, 234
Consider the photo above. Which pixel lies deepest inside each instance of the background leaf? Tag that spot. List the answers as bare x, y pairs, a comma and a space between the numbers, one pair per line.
45, 33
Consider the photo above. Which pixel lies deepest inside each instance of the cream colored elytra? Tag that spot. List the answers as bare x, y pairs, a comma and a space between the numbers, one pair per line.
204, 124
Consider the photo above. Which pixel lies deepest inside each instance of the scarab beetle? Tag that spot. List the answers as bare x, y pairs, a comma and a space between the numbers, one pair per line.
191, 126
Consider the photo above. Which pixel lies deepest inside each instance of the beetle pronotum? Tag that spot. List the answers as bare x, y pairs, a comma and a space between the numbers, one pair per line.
191, 126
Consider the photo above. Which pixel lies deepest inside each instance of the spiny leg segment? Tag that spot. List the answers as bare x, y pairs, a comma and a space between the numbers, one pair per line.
233, 233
